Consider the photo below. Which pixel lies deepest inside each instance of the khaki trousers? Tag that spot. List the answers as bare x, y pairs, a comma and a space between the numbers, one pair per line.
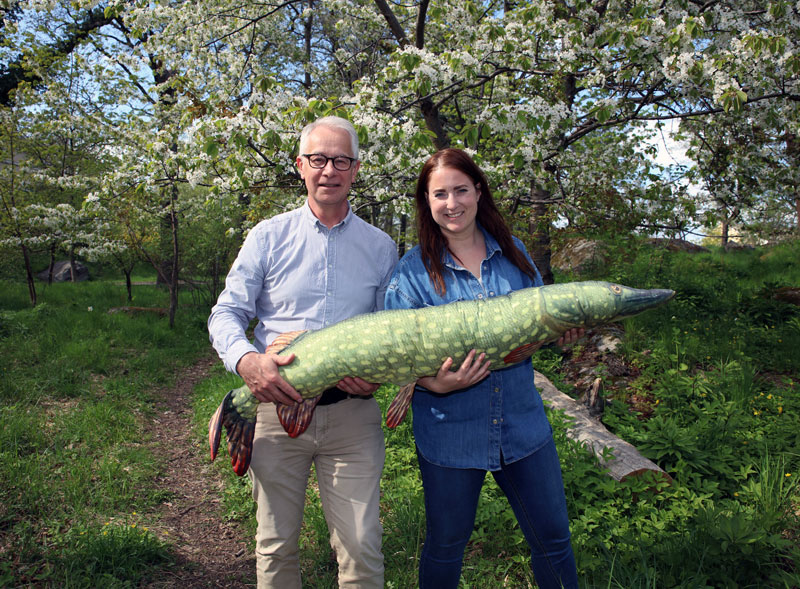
345, 443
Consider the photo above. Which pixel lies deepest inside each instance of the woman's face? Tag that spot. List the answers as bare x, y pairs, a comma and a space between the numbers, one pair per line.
453, 198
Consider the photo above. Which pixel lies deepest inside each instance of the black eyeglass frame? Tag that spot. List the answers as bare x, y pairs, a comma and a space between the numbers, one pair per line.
350, 161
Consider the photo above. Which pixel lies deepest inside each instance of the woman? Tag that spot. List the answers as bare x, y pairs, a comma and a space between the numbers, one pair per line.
468, 420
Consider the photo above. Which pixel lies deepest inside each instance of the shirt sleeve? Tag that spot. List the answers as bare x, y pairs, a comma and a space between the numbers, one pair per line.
400, 293
388, 267
236, 305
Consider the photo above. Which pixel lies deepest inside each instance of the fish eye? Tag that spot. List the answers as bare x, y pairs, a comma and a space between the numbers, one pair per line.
616, 289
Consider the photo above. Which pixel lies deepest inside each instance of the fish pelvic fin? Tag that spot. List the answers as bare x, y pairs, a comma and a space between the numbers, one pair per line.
398, 408
522, 353
296, 418
240, 431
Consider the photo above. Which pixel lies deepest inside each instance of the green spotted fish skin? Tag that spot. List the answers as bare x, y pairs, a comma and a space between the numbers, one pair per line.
400, 346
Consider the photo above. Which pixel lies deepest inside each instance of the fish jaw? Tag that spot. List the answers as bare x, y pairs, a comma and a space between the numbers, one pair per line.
633, 301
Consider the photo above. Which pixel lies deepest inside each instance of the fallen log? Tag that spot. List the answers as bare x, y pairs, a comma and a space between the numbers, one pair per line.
160, 311
626, 462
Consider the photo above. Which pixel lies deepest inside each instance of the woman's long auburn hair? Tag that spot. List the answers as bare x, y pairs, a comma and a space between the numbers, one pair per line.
432, 241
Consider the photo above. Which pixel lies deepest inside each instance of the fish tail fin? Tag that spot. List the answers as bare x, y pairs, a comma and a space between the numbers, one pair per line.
296, 418
215, 428
398, 408
240, 432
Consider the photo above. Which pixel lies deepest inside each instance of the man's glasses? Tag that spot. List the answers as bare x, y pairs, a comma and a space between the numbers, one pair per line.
319, 161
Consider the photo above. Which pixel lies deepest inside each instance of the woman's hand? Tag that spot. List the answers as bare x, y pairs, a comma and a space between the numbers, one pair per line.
571, 336
471, 371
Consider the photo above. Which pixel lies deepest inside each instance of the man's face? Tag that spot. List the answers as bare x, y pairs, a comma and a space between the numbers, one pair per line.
327, 187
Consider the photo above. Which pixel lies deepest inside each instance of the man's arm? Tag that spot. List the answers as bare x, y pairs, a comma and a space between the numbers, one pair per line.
230, 317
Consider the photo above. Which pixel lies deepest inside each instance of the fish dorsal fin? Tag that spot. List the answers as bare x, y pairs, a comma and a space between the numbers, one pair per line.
283, 340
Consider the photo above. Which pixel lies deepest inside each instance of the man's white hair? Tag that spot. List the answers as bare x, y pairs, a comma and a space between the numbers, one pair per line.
335, 122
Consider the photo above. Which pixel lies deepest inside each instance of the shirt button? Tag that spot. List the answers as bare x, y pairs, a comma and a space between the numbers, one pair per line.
480, 296
496, 389
494, 421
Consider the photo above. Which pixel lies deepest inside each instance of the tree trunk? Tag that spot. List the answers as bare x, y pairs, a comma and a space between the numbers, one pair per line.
401, 239
215, 277
29, 275
626, 462
173, 282
51, 267
128, 284
539, 227
724, 236
73, 273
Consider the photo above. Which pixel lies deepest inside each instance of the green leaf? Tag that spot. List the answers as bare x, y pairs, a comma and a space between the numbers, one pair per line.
211, 147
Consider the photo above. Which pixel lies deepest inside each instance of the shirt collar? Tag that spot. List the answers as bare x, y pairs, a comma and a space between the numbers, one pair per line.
308, 214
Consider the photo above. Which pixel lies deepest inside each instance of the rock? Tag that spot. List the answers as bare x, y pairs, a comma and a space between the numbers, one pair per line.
61, 272
788, 294
677, 245
579, 255
733, 246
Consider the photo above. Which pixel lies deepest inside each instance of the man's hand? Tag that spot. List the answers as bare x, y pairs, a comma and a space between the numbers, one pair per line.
260, 374
357, 386
471, 371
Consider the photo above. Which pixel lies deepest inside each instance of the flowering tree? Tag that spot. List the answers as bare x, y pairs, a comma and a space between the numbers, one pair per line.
552, 97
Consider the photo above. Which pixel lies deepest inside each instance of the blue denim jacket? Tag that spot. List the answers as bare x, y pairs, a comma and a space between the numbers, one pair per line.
500, 417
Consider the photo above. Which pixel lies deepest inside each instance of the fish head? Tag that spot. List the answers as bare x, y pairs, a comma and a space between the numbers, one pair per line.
604, 302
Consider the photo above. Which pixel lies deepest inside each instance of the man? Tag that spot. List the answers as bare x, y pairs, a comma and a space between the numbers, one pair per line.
305, 269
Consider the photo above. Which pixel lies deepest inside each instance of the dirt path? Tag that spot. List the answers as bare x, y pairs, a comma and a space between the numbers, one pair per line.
210, 552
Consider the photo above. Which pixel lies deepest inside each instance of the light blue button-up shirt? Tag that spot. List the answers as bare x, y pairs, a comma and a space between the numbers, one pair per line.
501, 417
294, 273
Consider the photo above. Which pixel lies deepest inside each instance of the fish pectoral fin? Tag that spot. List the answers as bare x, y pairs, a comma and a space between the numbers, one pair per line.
240, 431
398, 408
522, 353
296, 418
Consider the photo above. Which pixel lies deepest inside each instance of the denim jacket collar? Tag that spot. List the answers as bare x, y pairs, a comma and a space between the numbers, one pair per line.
492, 248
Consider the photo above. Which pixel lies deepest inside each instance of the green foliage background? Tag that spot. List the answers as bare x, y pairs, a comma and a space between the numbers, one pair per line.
717, 407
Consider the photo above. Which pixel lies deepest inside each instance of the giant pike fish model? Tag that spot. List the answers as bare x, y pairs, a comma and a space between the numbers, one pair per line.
401, 346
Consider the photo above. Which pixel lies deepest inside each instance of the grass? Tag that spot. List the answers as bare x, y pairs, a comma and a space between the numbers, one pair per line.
718, 408
77, 384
